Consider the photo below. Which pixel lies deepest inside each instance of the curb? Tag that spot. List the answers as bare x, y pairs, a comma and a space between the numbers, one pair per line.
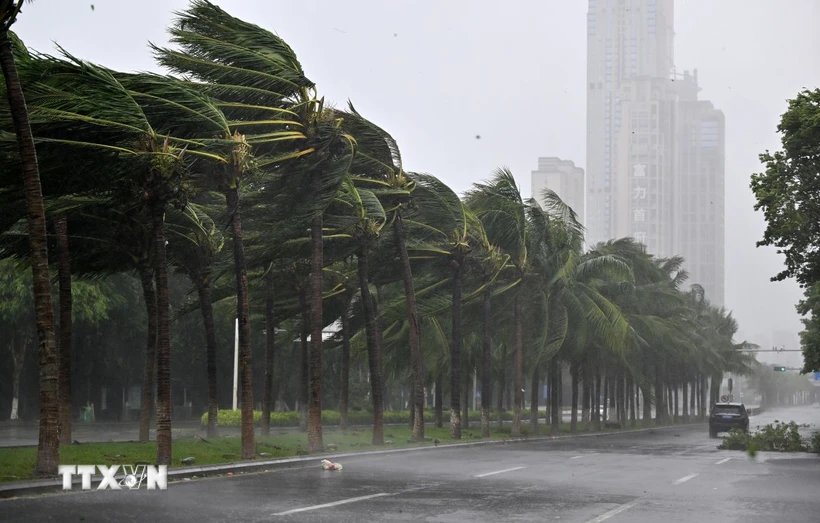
41, 486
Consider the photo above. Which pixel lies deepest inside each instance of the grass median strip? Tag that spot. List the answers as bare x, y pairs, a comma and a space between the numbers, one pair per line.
17, 463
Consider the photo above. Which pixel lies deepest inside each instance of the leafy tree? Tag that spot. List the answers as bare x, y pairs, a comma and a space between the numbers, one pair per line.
17, 313
786, 190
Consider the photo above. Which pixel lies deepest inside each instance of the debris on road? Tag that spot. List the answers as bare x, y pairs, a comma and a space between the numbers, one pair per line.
329, 465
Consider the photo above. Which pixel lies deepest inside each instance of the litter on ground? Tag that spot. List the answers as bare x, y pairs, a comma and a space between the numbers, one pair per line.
329, 465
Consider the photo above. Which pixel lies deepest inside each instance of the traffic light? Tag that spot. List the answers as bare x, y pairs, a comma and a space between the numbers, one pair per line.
780, 369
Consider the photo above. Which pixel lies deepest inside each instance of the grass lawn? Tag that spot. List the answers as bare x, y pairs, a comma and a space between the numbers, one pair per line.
17, 463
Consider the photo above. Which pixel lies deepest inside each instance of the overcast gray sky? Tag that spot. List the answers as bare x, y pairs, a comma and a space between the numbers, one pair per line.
437, 73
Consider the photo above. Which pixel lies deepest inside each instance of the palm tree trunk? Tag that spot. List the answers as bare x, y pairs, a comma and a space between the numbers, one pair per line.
203, 284
632, 392
270, 351
486, 384
315, 443
15, 391
692, 391
18, 355
439, 402
413, 324
587, 397
573, 419
412, 404
344, 386
502, 386
622, 399
373, 348
557, 410
164, 442
534, 401
455, 355
685, 395
596, 401
647, 405
243, 315
64, 276
659, 401
284, 381
465, 405
704, 408
147, 396
304, 361
48, 447
519, 366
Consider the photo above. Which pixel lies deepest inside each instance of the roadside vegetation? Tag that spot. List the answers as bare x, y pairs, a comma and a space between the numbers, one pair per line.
17, 463
774, 437
228, 203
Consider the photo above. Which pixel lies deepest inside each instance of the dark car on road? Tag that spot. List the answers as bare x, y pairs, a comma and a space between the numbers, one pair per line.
727, 416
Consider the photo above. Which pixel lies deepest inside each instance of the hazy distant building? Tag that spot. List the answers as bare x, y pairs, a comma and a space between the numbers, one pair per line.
563, 178
655, 153
629, 54
700, 191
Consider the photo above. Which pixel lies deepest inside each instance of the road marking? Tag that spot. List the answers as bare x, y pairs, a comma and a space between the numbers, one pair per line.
614, 512
684, 479
498, 472
334, 504
724, 460
585, 455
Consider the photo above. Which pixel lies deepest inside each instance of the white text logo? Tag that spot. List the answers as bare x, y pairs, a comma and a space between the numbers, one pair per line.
132, 476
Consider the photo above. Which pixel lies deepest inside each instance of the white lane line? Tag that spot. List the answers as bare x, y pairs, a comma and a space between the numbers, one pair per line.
614, 512
585, 455
684, 479
498, 472
724, 460
334, 504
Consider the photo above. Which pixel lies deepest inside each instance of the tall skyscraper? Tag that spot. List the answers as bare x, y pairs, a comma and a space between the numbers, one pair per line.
700, 191
629, 62
654, 151
563, 178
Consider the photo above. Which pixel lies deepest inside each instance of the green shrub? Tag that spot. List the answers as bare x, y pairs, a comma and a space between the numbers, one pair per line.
783, 437
737, 439
232, 418
775, 437
814, 443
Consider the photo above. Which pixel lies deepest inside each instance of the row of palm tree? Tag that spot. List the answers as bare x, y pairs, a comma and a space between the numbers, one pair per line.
324, 225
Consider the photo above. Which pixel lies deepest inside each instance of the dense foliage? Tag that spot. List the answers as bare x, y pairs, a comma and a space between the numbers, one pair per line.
233, 191
786, 192
774, 437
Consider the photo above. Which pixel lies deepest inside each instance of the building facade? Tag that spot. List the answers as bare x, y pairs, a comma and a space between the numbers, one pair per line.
563, 178
629, 46
655, 152
700, 190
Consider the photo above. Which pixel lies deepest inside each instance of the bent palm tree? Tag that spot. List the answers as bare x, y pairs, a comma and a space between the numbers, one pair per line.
48, 440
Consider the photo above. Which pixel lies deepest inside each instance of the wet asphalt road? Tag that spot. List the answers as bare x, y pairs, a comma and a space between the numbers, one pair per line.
667, 475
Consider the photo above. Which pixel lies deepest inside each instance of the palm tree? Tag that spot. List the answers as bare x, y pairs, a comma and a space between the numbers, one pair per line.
197, 242
445, 230
73, 103
48, 447
358, 214
270, 349
502, 210
64, 277
257, 90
